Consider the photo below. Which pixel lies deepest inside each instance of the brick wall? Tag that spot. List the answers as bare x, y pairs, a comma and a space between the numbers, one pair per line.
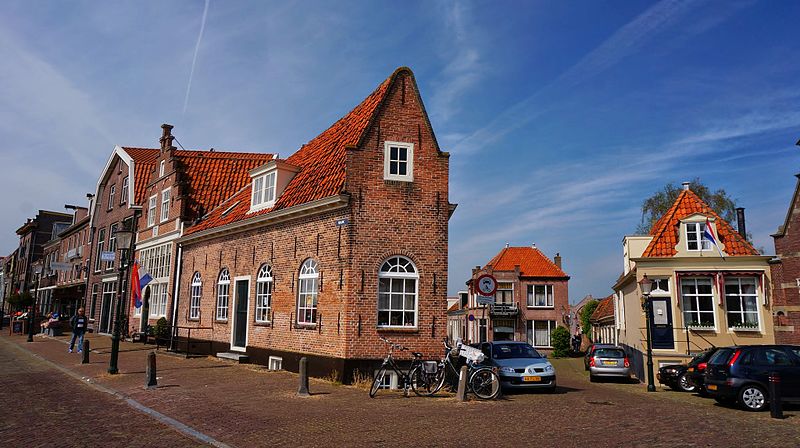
785, 272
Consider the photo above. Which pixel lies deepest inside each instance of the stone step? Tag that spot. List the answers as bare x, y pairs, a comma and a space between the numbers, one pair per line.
241, 358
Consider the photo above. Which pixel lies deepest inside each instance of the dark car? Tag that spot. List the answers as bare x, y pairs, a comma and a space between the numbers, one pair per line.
519, 365
696, 370
740, 374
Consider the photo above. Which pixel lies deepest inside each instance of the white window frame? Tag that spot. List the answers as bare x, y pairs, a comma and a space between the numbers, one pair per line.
151, 210
387, 160
112, 190
165, 197
263, 190
101, 236
530, 332
549, 300
112, 244
308, 292
223, 295
698, 230
397, 269
264, 287
501, 286
696, 296
196, 293
161, 167
123, 195
275, 363
741, 297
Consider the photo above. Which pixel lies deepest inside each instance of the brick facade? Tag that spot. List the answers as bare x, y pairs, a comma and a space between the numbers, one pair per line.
383, 219
785, 274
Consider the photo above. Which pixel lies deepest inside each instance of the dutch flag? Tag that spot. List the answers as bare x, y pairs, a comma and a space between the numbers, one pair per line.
709, 235
139, 279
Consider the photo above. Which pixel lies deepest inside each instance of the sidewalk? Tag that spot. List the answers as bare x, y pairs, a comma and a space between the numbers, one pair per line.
243, 405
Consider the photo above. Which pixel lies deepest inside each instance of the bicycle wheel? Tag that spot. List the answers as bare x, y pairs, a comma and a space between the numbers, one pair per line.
484, 383
377, 382
422, 383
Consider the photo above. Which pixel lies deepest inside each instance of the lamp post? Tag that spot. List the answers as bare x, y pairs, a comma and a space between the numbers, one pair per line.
646, 286
37, 269
124, 240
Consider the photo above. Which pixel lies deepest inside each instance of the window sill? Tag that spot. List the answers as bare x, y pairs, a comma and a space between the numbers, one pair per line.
745, 329
305, 326
709, 329
221, 321
193, 319
262, 324
541, 307
398, 329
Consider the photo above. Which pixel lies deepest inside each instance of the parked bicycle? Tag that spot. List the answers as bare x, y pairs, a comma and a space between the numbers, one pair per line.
417, 379
482, 381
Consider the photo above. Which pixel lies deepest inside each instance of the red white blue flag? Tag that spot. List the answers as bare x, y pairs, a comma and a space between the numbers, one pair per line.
139, 279
709, 235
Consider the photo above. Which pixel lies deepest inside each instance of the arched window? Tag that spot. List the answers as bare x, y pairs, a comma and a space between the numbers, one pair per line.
223, 294
196, 292
263, 293
308, 287
397, 293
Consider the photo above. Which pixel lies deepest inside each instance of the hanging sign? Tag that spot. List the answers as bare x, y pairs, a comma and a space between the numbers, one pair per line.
107, 256
62, 267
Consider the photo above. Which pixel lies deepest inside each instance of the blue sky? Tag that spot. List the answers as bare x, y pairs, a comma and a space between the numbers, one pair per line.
560, 117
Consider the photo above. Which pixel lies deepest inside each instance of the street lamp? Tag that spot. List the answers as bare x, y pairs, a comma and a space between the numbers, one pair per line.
646, 285
37, 269
124, 240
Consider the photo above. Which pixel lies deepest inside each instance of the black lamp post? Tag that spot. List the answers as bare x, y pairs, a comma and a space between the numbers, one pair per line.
124, 240
646, 286
32, 314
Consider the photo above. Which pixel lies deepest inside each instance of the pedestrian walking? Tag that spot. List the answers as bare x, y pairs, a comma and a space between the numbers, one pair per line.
79, 323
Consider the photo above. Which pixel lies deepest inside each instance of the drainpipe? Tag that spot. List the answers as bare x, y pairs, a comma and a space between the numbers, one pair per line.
176, 287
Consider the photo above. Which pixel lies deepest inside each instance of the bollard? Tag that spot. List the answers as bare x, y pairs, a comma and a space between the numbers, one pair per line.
775, 405
150, 381
85, 352
461, 395
302, 391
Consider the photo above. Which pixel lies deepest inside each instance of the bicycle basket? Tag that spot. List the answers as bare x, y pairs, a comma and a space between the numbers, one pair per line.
430, 366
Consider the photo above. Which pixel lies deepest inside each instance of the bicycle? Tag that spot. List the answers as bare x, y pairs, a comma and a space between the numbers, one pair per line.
482, 381
416, 378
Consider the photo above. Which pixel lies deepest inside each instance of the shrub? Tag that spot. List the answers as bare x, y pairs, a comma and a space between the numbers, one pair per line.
559, 338
162, 329
586, 314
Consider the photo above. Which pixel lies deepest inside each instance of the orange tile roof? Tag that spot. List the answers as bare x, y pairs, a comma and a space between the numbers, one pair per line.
532, 262
604, 309
321, 161
210, 176
665, 230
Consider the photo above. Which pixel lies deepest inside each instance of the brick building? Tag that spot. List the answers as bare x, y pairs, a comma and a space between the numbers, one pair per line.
341, 243
786, 274
603, 322
32, 237
531, 300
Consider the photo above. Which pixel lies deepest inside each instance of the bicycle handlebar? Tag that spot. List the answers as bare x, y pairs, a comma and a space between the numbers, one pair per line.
393, 345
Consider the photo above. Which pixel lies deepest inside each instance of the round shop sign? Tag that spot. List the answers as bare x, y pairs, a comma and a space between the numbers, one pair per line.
487, 285
471, 318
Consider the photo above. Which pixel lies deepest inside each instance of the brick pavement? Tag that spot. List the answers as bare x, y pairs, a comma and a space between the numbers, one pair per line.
250, 406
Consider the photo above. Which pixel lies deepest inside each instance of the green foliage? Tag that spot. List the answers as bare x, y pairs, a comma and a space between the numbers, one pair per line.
559, 338
586, 314
657, 205
19, 301
162, 328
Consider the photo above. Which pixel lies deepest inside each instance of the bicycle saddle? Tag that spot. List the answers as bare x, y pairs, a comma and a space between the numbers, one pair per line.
417, 354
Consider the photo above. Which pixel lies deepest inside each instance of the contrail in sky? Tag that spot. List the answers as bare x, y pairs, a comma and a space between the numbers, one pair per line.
194, 58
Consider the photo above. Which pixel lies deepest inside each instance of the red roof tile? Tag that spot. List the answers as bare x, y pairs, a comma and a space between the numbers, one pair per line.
532, 262
665, 230
604, 309
321, 161
144, 160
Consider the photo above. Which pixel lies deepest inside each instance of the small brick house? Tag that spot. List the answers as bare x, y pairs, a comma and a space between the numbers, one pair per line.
532, 298
603, 322
326, 251
786, 274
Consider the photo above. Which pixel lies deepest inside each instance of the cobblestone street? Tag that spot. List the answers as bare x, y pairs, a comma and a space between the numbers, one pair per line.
242, 405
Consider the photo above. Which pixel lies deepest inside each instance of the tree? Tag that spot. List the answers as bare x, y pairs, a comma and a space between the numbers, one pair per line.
659, 203
586, 314
559, 338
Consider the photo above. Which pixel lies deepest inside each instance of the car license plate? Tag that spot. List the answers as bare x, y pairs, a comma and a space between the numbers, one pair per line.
711, 387
531, 378
609, 363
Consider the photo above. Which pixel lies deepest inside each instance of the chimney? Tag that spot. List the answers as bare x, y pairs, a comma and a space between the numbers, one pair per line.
166, 137
740, 225
506, 245
685, 185
557, 260
533, 245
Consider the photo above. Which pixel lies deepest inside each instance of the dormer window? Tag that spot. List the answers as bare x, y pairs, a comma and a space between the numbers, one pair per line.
695, 238
264, 190
398, 161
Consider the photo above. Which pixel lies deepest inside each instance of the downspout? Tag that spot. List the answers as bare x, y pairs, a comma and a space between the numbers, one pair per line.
176, 288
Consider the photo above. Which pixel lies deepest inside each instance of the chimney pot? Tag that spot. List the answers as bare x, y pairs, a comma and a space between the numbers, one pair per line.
557, 259
740, 224
166, 137
685, 185
506, 245
533, 245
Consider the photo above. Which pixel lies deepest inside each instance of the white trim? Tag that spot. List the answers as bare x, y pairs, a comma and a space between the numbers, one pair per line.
409, 176
279, 361
232, 317
154, 200
169, 200
398, 275
122, 154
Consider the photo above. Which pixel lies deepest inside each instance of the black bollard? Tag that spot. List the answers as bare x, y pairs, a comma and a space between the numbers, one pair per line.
302, 391
775, 405
150, 381
85, 352
461, 394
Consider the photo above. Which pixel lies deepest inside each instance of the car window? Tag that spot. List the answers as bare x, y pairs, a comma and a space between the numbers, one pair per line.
609, 353
721, 356
509, 351
772, 357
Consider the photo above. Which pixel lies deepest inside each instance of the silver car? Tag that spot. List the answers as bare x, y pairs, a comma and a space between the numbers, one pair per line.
519, 365
609, 362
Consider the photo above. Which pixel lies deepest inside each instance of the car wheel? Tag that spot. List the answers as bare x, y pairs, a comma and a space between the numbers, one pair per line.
592, 378
753, 398
684, 384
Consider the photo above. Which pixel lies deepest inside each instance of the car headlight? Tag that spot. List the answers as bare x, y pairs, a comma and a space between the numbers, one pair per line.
507, 369
548, 368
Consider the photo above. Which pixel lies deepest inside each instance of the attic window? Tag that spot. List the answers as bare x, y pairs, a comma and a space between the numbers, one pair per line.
695, 238
263, 191
230, 209
398, 161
